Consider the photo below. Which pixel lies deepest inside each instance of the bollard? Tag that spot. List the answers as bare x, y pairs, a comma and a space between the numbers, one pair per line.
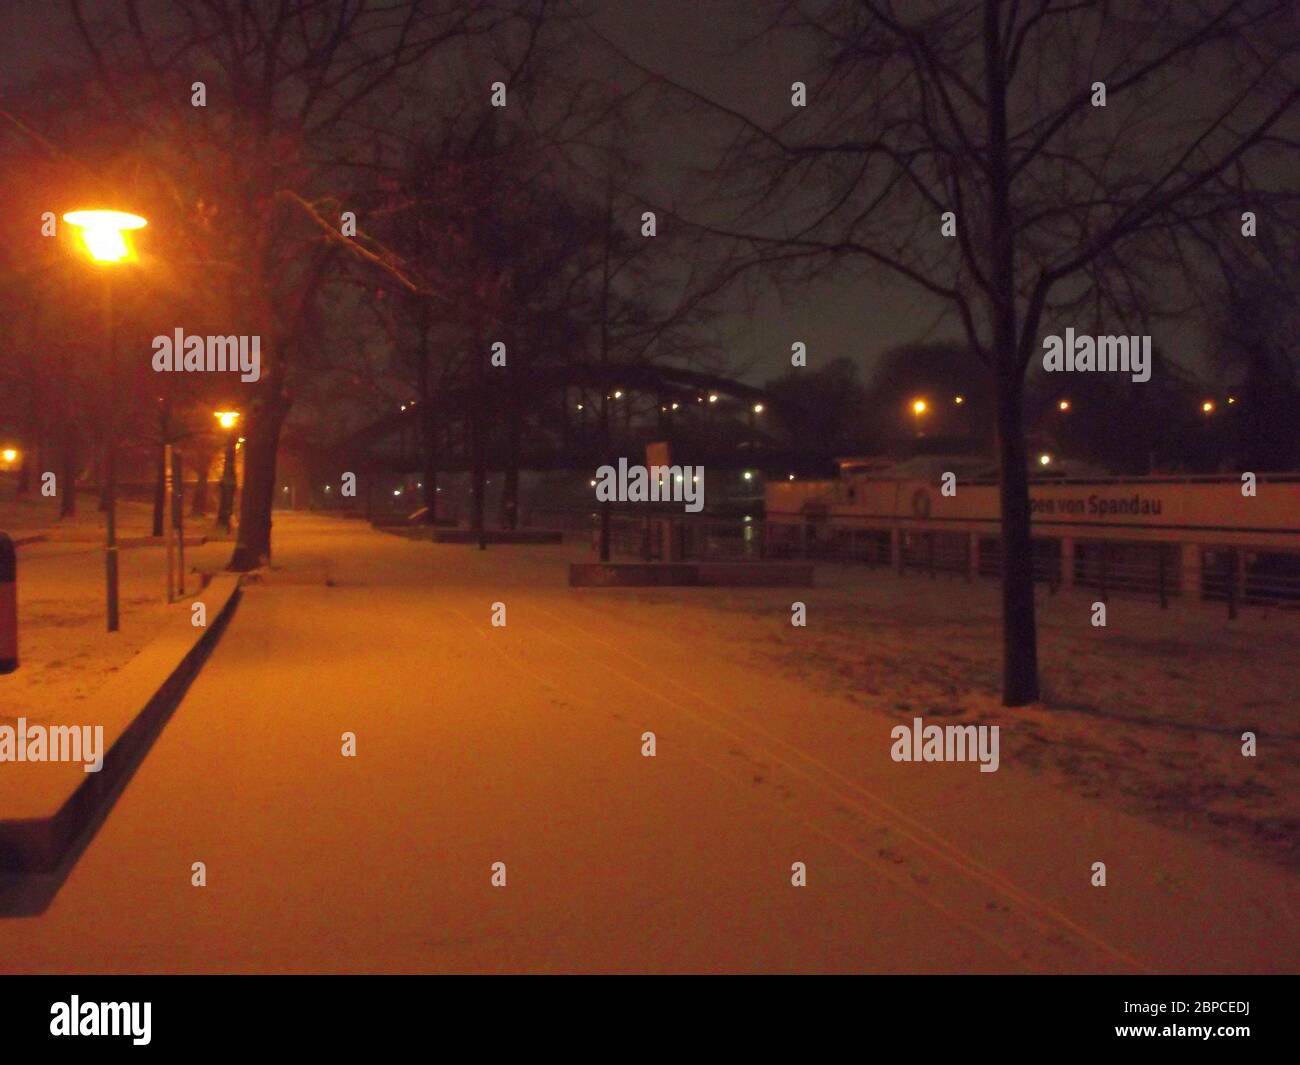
8, 605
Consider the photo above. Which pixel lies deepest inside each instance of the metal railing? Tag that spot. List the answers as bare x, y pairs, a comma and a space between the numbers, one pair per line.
1167, 572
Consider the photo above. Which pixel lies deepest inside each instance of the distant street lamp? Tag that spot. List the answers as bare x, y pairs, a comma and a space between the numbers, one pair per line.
1063, 405
1207, 407
228, 420
919, 407
103, 238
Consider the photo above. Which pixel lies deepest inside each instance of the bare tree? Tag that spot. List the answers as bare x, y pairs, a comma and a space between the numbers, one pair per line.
1081, 148
292, 91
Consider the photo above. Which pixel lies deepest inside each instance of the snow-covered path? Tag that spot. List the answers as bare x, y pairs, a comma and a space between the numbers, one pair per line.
522, 744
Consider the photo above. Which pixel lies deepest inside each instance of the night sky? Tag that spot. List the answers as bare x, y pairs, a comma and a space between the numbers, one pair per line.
695, 44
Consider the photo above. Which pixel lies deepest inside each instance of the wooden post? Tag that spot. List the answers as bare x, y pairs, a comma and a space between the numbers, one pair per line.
178, 517
170, 496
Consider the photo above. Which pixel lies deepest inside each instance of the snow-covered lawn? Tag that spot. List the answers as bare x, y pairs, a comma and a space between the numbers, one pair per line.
1146, 714
39, 515
64, 648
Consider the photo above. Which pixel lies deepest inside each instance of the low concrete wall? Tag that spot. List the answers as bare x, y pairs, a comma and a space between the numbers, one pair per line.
498, 536
45, 806
691, 574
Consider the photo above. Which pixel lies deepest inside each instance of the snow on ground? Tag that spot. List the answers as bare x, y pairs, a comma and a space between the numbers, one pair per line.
1146, 714
524, 744
65, 650
40, 515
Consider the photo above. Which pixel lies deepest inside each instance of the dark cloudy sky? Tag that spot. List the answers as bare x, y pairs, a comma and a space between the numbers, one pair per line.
694, 42
716, 47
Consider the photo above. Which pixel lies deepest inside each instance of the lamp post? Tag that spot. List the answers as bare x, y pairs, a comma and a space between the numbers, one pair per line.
103, 240
228, 420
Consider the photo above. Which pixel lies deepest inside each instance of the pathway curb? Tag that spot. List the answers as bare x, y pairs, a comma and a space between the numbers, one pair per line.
39, 844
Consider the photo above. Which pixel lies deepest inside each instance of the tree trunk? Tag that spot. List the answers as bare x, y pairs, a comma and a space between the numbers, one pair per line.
226, 503
428, 425
160, 491
199, 501
1019, 634
479, 434
510, 487
510, 493
103, 477
479, 473
68, 497
261, 441
30, 459
430, 441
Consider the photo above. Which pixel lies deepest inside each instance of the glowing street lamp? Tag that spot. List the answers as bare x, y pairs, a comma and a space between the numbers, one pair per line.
1044, 459
1063, 405
104, 242
9, 455
1207, 407
102, 233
